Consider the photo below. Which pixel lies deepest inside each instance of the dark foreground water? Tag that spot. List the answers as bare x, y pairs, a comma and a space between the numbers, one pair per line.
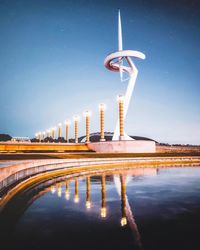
153, 209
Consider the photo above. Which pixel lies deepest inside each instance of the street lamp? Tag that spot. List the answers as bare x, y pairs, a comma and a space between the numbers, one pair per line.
87, 114
59, 129
53, 132
120, 99
48, 132
102, 108
67, 124
76, 119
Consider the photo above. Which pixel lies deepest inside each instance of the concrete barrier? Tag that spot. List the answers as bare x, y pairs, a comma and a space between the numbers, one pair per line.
135, 146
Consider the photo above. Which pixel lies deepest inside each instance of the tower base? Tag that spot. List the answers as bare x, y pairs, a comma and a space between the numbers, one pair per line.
135, 146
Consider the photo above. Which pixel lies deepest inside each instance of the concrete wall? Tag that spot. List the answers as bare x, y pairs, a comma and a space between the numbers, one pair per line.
136, 146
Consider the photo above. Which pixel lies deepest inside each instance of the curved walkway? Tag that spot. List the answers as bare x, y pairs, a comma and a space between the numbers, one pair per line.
16, 175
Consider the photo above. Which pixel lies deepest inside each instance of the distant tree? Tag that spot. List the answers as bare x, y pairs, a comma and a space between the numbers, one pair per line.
34, 140
5, 137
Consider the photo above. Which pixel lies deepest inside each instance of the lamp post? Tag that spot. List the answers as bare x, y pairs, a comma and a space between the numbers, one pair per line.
48, 132
76, 119
67, 124
87, 115
102, 115
103, 196
59, 129
40, 136
121, 117
53, 132
43, 135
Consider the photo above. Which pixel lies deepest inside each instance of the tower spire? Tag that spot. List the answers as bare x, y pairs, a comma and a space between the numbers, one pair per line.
119, 32
120, 46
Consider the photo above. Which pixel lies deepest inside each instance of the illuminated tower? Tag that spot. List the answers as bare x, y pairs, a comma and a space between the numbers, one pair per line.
120, 61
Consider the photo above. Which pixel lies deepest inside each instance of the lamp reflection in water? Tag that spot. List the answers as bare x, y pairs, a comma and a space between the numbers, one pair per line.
123, 200
88, 201
59, 191
103, 196
53, 189
67, 194
76, 196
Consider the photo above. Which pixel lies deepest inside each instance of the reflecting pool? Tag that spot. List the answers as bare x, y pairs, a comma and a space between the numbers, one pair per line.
144, 208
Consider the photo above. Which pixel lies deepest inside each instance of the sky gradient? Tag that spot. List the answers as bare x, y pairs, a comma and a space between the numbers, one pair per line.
51, 65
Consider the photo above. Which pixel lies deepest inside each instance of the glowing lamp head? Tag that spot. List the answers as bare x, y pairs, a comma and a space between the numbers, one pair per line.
76, 118
44, 133
102, 107
53, 129
88, 204
103, 212
67, 122
87, 113
120, 98
123, 221
59, 125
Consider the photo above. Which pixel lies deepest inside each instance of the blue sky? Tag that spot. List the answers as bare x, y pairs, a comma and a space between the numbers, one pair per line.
51, 65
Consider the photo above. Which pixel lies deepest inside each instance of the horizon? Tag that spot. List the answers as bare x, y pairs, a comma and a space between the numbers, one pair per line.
52, 59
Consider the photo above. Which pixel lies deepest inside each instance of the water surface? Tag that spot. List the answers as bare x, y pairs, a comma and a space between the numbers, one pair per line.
147, 208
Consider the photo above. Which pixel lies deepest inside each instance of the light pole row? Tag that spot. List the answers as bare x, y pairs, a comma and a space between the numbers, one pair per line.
51, 132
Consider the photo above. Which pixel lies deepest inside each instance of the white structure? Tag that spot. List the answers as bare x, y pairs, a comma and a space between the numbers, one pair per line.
117, 62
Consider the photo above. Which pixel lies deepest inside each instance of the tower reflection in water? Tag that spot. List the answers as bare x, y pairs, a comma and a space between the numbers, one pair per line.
88, 203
